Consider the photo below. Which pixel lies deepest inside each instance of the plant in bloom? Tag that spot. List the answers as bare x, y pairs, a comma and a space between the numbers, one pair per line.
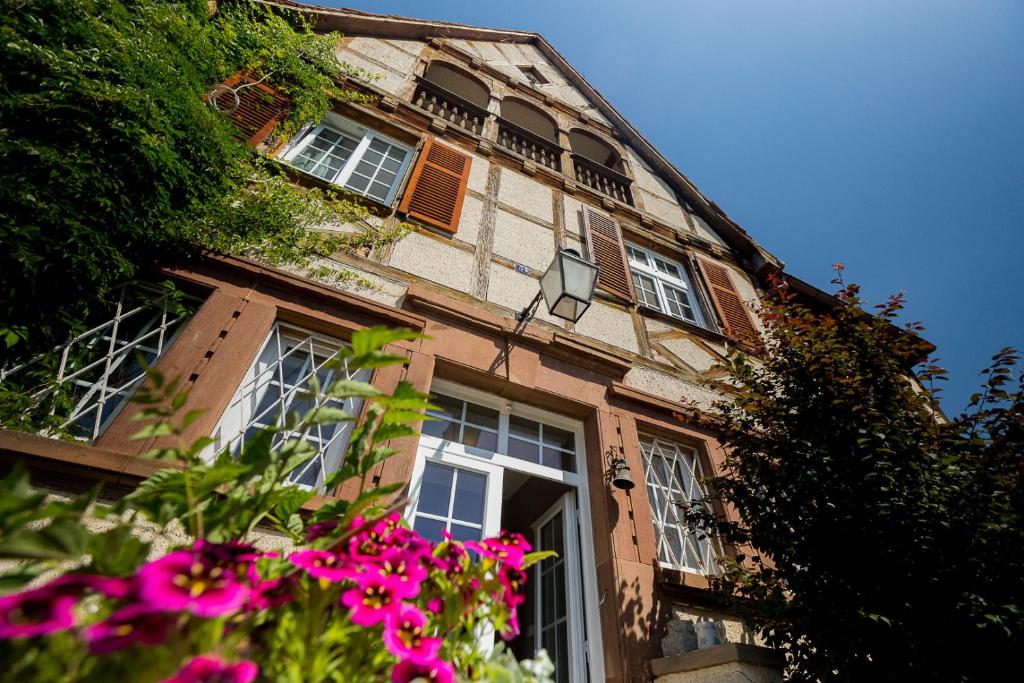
214, 670
361, 596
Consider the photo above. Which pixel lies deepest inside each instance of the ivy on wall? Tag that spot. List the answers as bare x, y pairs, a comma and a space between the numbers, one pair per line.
110, 157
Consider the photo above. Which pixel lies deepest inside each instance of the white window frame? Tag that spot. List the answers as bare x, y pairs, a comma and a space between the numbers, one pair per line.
365, 136
573, 590
704, 549
238, 415
494, 463
647, 268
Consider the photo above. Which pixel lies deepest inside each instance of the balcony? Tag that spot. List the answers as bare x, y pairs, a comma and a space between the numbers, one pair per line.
601, 178
529, 145
449, 107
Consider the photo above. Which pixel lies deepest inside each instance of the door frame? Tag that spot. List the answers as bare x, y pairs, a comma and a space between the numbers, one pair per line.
575, 610
467, 456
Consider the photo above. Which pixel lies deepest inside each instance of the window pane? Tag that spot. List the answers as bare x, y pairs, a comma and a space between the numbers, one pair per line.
377, 170
520, 426
523, 450
481, 416
430, 529
559, 459
559, 438
469, 497
435, 490
447, 406
465, 533
478, 438
290, 355
442, 429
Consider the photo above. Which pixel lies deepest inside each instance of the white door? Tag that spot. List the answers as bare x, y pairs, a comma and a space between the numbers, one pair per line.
559, 595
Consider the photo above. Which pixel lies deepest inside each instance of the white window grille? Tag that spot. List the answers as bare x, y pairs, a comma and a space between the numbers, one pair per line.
673, 484
276, 385
663, 285
97, 371
356, 158
451, 499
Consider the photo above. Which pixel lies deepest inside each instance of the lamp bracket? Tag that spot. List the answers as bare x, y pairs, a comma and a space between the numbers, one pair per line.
530, 309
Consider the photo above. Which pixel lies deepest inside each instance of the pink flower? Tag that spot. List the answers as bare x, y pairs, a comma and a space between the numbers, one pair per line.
437, 671
272, 593
403, 576
435, 605
215, 670
322, 529
512, 580
127, 626
191, 581
37, 612
404, 638
509, 548
371, 601
449, 558
322, 564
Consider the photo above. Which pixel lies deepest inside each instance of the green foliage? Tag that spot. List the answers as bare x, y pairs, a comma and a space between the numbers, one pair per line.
233, 498
111, 158
878, 541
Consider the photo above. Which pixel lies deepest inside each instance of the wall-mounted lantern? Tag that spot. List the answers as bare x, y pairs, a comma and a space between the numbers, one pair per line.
621, 476
567, 287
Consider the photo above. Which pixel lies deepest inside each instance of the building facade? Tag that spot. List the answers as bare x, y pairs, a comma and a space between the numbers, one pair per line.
500, 154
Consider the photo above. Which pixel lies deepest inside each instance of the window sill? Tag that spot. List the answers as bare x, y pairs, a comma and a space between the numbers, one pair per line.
78, 466
305, 179
684, 324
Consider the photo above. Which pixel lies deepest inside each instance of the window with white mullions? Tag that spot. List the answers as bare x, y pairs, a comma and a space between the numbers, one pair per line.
352, 156
663, 285
277, 384
540, 443
673, 485
97, 371
451, 500
462, 422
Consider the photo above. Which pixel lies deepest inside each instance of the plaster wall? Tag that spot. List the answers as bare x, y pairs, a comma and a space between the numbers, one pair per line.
670, 387
526, 195
691, 354
523, 241
506, 57
609, 324
434, 261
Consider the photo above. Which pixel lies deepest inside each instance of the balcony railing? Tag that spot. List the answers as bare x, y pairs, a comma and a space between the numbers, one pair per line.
603, 179
529, 145
449, 107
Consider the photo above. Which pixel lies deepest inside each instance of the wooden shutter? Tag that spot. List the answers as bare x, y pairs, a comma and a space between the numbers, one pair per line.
731, 309
437, 187
260, 107
604, 239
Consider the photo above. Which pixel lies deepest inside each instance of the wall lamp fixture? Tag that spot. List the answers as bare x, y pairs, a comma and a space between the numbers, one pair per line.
567, 287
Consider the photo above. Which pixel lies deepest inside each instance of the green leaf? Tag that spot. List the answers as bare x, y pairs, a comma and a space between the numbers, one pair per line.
61, 539
372, 339
346, 388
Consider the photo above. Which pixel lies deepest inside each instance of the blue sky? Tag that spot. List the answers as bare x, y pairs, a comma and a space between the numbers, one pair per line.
885, 135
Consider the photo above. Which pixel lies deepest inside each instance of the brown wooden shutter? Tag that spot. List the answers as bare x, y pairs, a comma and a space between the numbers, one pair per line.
437, 187
604, 239
260, 107
734, 313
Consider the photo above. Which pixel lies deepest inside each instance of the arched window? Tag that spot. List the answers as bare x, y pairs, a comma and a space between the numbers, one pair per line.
527, 130
595, 149
458, 82
599, 166
529, 118
454, 95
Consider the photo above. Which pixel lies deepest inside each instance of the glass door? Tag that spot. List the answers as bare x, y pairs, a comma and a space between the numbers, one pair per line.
559, 593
